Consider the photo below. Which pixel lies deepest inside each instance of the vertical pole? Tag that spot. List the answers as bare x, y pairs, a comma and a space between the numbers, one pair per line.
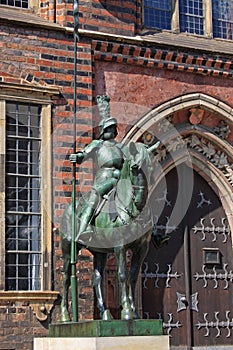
73, 279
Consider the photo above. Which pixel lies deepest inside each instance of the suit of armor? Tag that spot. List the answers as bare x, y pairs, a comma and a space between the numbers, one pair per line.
109, 157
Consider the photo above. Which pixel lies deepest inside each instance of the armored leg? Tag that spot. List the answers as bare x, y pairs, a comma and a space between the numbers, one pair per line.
87, 213
90, 206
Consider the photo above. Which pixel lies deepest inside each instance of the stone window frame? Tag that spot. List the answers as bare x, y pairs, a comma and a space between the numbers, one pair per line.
34, 6
23, 196
43, 300
175, 23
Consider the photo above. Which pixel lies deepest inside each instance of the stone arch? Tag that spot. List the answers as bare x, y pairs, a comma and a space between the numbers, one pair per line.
202, 147
209, 172
193, 100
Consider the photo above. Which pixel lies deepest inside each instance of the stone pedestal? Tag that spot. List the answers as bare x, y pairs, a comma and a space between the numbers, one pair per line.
159, 342
105, 335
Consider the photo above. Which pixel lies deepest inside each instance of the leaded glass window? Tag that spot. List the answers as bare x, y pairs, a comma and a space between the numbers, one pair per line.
212, 18
157, 14
222, 19
23, 197
191, 16
16, 3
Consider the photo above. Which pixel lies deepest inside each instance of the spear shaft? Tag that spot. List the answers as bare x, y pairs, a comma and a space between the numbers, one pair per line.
73, 279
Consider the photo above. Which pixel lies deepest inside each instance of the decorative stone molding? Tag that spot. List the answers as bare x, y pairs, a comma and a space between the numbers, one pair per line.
217, 155
165, 110
159, 58
40, 302
222, 129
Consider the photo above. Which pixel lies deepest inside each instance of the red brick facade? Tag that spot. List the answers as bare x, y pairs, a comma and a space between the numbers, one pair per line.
137, 74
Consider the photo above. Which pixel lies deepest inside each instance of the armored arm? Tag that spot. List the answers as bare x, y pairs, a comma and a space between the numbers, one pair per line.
76, 157
80, 156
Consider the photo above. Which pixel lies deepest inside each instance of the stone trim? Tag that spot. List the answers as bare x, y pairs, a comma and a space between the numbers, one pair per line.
161, 58
41, 303
23, 80
25, 18
193, 100
42, 96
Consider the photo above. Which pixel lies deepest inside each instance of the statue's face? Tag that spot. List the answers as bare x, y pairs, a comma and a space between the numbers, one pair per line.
110, 132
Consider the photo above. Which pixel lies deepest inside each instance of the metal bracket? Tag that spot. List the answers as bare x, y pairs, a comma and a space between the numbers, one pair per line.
226, 276
228, 324
168, 275
183, 303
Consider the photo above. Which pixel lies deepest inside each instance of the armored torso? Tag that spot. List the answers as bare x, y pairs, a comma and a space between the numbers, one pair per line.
109, 155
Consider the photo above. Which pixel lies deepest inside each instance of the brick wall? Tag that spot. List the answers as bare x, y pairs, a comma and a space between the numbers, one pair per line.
45, 58
111, 16
19, 326
117, 17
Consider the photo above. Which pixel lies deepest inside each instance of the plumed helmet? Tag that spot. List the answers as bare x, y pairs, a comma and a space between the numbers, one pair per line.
104, 111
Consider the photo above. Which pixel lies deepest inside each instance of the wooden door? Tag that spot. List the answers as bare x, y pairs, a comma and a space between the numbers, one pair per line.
188, 282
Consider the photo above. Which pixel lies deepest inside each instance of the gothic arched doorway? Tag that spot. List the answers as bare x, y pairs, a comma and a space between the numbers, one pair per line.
188, 282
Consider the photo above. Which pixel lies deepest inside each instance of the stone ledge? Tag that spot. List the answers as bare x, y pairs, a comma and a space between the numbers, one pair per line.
40, 302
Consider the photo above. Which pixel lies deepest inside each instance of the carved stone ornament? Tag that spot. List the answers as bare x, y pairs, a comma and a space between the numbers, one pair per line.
202, 146
196, 116
222, 129
166, 124
41, 303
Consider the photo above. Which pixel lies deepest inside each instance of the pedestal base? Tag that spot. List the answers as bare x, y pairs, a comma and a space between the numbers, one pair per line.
159, 342
105, 335
100, 328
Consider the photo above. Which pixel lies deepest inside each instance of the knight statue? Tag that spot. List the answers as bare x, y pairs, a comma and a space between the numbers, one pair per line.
109, 157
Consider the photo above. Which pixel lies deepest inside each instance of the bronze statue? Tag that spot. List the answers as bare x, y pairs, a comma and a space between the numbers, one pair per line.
115, 216
108, 154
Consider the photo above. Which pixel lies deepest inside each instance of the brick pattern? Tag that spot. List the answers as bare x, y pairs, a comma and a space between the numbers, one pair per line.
158, 58
19, 326
54, 11
45, 58
116, 17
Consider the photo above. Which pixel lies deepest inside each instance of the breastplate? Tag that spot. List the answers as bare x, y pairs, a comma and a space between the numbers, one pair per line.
109, 156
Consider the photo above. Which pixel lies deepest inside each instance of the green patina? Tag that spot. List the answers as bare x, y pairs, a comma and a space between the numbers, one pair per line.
113, 328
